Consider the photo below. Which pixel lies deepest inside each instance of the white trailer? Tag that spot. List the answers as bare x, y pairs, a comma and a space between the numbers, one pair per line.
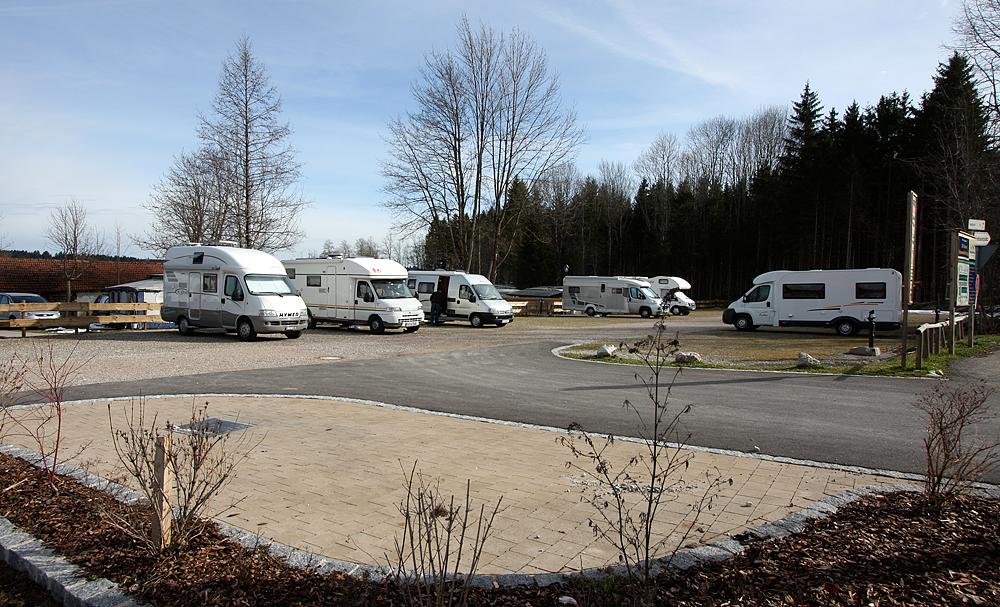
222, 287
671, 291
600, 295
356, 291
841, 299
469, 297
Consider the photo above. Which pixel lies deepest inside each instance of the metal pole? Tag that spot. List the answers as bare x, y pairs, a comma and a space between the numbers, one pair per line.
908, 253
953, 291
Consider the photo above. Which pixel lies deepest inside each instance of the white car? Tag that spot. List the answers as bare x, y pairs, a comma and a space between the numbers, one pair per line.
31, 298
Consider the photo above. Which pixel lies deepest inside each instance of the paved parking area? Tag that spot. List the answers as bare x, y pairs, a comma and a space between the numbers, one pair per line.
327, 477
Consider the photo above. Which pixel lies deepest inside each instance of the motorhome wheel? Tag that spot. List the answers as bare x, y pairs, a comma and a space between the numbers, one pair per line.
743, 323
376, 325
591, 311
245, 330
183, 326
686, 311
312, 321
645, 312
476, 320
846, 327
675, 310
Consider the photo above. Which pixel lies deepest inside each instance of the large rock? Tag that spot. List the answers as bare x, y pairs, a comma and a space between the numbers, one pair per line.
806, 360
687, 357
606, 351
864, 351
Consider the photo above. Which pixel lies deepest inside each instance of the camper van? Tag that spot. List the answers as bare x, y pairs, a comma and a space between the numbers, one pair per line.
671, 291
469, 296
841, 299
356, 291
226, 287
601, 295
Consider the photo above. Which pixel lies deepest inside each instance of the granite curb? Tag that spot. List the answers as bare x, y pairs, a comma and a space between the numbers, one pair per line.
102, 591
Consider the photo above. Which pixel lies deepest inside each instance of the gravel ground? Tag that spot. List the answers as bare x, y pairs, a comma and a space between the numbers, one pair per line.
137, 355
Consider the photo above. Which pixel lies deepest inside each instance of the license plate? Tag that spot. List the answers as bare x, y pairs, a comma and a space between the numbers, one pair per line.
504, 321
411, 323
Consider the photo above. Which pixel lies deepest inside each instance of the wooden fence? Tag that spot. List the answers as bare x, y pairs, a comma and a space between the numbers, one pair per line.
932, 337
78, 315
536, 307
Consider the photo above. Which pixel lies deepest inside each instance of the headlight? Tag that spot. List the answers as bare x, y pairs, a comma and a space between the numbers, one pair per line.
394, 308
304, 312
267, 313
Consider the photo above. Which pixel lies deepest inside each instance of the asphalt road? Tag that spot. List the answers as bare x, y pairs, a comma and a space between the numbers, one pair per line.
860, 421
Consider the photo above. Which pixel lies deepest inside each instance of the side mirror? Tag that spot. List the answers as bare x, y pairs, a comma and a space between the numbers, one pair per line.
237, 296
369, 298
744, 299
472, 299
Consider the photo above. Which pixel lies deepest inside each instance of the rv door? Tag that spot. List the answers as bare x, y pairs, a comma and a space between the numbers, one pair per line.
233, 300
759, 303
364, 301
194, 295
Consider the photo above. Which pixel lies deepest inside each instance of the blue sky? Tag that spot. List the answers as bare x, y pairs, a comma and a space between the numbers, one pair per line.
98, 96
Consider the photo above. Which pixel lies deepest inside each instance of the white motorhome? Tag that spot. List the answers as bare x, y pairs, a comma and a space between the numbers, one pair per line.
600, 295
841, 299
469, 297
671, 291
356, 291
224, 287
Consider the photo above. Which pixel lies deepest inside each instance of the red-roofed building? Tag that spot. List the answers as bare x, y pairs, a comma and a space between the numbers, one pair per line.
46, 277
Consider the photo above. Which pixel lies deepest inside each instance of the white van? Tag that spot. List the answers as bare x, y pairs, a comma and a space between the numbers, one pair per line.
840, 299
469, 296
356, 291
671, 291
221, 287
600, 295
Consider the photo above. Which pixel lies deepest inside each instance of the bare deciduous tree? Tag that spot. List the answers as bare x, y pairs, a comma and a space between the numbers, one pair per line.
72, 236
660, 161
246, 130
366, 247
489, 113
978, 30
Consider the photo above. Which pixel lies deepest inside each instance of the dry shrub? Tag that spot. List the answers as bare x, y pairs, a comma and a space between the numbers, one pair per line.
956, 455
441, 544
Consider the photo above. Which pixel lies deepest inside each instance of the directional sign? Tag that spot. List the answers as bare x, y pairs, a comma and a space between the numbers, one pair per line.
977, 224
982, 238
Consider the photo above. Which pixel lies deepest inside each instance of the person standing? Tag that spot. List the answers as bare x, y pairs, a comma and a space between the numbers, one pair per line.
437, 306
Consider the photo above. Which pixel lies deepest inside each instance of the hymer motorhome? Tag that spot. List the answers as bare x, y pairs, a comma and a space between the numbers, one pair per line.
469, 296
356, 291
601, 295
841, 299
226, 287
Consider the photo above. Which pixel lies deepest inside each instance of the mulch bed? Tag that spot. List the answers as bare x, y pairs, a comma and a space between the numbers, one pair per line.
885, 550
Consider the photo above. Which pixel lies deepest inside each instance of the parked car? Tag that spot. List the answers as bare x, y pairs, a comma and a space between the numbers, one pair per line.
31, 298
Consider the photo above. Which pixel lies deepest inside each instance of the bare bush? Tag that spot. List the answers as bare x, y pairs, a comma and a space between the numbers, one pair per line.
441, 544
955, 457
202, 460
628, 498
46, 375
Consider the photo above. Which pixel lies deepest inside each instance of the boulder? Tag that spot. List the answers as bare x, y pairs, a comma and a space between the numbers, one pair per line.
806, 360
687, 357
606, 351
864, 351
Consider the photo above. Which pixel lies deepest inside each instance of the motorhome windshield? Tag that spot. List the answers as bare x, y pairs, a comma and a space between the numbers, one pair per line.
269, 284
649, 293
487, 292
394, 288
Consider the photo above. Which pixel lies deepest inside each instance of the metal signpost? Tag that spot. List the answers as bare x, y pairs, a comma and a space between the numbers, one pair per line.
909, 262
963, 260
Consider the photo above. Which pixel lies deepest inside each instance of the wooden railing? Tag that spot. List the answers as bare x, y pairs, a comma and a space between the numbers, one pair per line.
76, 315
932, 337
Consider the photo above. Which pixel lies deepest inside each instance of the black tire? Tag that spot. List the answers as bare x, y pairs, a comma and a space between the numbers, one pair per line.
312, 321
376, 325
183, 326
476, 320
743, 322
293, 334
245, 330
410, 329
686, 311
675, 311
591, 311
846, 327
645, 312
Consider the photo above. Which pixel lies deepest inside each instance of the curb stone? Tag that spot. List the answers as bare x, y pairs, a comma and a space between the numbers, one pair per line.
724, 549
64, 581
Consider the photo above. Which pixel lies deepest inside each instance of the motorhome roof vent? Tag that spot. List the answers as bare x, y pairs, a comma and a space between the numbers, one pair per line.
228, 243
193, 244
335, 255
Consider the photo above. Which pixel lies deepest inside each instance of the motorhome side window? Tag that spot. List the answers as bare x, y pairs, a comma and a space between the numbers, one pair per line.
425, 287
290, 272
464, 292
198, 258
316, 280
634, 293
869, 290
574, 290
761, 293
616, 291
210, 283
810, 290
602, 287
232, 288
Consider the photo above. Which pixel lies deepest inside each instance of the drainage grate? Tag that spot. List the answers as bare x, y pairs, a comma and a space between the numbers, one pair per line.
214, 425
